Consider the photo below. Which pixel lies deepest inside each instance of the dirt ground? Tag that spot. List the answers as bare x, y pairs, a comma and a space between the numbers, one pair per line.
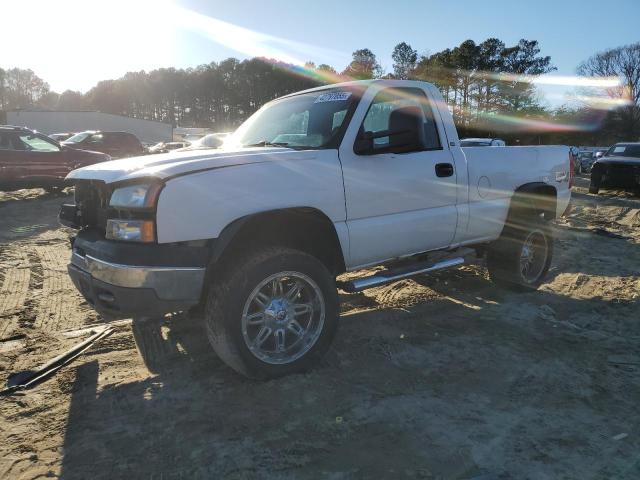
445, 376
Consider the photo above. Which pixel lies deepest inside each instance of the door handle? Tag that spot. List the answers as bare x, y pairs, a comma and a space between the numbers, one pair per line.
444, 169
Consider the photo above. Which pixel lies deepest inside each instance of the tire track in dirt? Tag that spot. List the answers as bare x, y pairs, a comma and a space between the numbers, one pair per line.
14, 287
60, 307
28, 314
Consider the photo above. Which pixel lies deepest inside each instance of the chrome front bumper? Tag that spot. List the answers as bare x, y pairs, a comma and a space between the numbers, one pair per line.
168, 283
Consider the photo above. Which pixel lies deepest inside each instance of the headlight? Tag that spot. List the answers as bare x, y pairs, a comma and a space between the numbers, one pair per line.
142, 198
144, 195
131, 230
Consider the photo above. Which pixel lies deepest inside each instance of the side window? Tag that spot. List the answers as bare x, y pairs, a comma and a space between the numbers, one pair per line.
37, 144
399, 113
6, 142
130, 141
96, 139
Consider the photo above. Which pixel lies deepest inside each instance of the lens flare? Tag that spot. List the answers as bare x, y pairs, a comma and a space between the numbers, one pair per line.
249, 42
602, 93
555, 80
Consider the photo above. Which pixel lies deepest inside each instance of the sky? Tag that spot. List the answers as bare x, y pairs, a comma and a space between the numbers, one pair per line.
72, 44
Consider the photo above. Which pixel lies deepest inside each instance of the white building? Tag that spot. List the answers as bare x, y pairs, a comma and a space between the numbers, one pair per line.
48, 122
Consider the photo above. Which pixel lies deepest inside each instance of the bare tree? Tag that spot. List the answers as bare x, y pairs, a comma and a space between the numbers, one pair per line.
623, 63
21, 89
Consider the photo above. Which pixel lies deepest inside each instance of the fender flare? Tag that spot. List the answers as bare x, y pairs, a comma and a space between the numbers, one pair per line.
230, 231
530, 192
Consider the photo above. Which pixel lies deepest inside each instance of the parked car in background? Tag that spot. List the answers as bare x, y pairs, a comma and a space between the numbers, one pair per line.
115, 144
588, 155
164, 147
61, 137
482, 142
619, 167
585, 160
29, 160
599, 153
213, 140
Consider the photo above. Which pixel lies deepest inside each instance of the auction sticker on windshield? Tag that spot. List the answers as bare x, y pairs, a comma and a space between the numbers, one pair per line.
333, 97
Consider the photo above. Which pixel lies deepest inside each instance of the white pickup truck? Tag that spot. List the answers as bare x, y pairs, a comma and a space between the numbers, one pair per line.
314, 184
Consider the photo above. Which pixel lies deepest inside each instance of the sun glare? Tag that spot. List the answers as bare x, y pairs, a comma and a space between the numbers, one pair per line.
90, 39
79, 42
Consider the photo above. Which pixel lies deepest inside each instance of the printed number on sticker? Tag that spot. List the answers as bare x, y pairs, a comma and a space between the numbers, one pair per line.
333, 97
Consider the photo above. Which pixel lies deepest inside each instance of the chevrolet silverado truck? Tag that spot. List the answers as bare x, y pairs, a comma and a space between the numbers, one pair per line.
321, 182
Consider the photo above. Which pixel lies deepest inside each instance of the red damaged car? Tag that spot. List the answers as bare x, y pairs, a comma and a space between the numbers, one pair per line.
29, 160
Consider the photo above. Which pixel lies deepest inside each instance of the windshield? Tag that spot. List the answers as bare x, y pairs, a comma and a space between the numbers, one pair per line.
78, 137
308, 120
624, 151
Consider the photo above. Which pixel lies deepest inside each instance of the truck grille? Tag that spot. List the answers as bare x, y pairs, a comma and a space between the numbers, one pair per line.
92, 200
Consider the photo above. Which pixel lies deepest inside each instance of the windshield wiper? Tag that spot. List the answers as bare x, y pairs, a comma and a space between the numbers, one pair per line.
266, 143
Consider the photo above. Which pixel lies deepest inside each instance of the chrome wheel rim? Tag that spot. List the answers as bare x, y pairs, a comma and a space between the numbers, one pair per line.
533, 256
283, 317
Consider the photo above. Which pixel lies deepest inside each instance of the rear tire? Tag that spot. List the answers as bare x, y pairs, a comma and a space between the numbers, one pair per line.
273, 313
520, 258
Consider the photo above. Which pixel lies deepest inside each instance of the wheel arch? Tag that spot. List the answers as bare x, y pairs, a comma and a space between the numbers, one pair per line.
303, 228
535, 198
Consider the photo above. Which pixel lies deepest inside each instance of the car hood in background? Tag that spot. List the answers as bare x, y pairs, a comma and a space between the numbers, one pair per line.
85, 157
174, 163
618, 161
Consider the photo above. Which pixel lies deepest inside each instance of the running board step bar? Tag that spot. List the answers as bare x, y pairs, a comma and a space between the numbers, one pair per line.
388, 276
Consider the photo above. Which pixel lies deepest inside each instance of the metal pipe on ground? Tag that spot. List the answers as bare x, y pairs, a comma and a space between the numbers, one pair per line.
28, 379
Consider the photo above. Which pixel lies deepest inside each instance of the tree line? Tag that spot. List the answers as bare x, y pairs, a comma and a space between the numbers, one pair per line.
483, 83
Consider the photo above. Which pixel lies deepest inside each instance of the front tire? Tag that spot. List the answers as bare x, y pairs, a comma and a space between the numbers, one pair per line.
274, 313
520, 258
594, 184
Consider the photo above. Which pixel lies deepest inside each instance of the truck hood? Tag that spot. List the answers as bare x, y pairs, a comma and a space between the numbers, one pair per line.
174, 164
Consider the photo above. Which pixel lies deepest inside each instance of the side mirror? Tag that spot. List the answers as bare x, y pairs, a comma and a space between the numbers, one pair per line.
400, 141
364, 144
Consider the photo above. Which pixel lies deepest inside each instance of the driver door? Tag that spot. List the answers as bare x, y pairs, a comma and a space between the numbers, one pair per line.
36, 160
400, 198
13, 160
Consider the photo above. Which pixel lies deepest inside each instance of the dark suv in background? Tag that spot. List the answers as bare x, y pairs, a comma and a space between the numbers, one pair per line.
619, 167
114, 144
29, 159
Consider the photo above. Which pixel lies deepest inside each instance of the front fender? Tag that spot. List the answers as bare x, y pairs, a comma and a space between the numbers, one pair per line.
199, 206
